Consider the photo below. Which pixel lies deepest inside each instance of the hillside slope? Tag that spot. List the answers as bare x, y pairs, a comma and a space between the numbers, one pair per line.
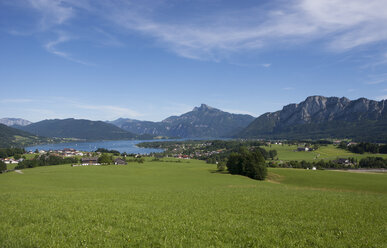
11, 137
80, 129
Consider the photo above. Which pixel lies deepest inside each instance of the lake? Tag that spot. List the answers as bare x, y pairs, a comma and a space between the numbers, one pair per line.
128, 146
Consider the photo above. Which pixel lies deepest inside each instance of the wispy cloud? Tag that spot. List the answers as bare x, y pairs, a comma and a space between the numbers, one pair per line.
238, 111
213, 35
51, 47
379, 98
379, 81
266, 65
341, 25
108, 39
53, 12
16, 100
110, 110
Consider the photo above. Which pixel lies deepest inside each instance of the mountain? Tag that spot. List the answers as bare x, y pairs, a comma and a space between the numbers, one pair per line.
323, 117
14, 121
11, 137
203, 121
80, 129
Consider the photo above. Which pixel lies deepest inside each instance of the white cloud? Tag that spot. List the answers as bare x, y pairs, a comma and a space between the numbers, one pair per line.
266, 65
378, 81
380, 98
16, 100
339, 24
51, 47
110, 111
238, 111
53, 12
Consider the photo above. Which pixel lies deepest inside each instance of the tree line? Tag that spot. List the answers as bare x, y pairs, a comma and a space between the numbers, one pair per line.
352, 163
364, 147
44, 160
10, 152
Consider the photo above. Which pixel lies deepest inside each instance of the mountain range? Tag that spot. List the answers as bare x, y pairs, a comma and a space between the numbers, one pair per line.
317, 117
323, 117
79, 129
201, 122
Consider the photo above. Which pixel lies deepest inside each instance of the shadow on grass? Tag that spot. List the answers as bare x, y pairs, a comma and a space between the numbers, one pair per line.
219, 172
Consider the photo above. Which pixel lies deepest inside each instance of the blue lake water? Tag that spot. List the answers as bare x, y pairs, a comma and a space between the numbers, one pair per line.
128, 146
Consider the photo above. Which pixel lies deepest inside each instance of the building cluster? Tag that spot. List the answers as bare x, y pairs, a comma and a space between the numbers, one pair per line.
189, 151
11, 160
65, 152
94, 161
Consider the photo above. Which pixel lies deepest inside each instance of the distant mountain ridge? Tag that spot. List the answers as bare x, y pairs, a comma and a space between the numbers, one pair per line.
14, 121
78, 128
201, 122
323, 117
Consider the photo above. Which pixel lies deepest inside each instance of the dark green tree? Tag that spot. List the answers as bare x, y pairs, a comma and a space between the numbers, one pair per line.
3, 167
105, 159
246, 163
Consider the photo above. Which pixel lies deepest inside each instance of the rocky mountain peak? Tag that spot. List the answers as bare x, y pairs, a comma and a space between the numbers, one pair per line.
203, 107
14, 121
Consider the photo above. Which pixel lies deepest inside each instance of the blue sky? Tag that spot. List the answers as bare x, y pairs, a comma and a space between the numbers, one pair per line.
147, 60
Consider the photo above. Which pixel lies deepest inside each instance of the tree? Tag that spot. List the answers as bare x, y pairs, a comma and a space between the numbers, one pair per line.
221, 166
272, 154
3, 167
246, 163
105, 159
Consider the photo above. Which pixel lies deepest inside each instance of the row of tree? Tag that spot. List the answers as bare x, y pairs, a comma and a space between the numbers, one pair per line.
349, 163
3, 167
10, 152
45, 160
364, 147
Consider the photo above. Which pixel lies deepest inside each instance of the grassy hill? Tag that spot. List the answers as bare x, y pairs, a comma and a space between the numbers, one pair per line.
188, 204
11, 137
329, 152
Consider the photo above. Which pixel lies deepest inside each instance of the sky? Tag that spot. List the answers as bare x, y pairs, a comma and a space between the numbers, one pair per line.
147, 60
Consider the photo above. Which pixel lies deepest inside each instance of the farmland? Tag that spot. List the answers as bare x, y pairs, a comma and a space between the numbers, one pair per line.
189, 204
328, 152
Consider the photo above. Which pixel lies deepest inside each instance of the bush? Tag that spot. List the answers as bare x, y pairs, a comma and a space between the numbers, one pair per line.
221, 166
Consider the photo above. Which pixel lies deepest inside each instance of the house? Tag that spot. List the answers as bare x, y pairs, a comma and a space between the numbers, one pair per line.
351, 144
119, 161
90, 161
302, 149
343, 161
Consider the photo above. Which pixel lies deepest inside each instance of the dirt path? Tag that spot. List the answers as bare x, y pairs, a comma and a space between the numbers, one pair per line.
19, 171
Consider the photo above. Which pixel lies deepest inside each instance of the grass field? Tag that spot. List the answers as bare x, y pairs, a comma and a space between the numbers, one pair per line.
329, 152
167, 204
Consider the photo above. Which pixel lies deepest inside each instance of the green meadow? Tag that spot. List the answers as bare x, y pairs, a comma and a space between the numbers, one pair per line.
189, 204
329, 152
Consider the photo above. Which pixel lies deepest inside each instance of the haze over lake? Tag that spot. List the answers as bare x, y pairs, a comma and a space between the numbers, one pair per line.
128, 146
